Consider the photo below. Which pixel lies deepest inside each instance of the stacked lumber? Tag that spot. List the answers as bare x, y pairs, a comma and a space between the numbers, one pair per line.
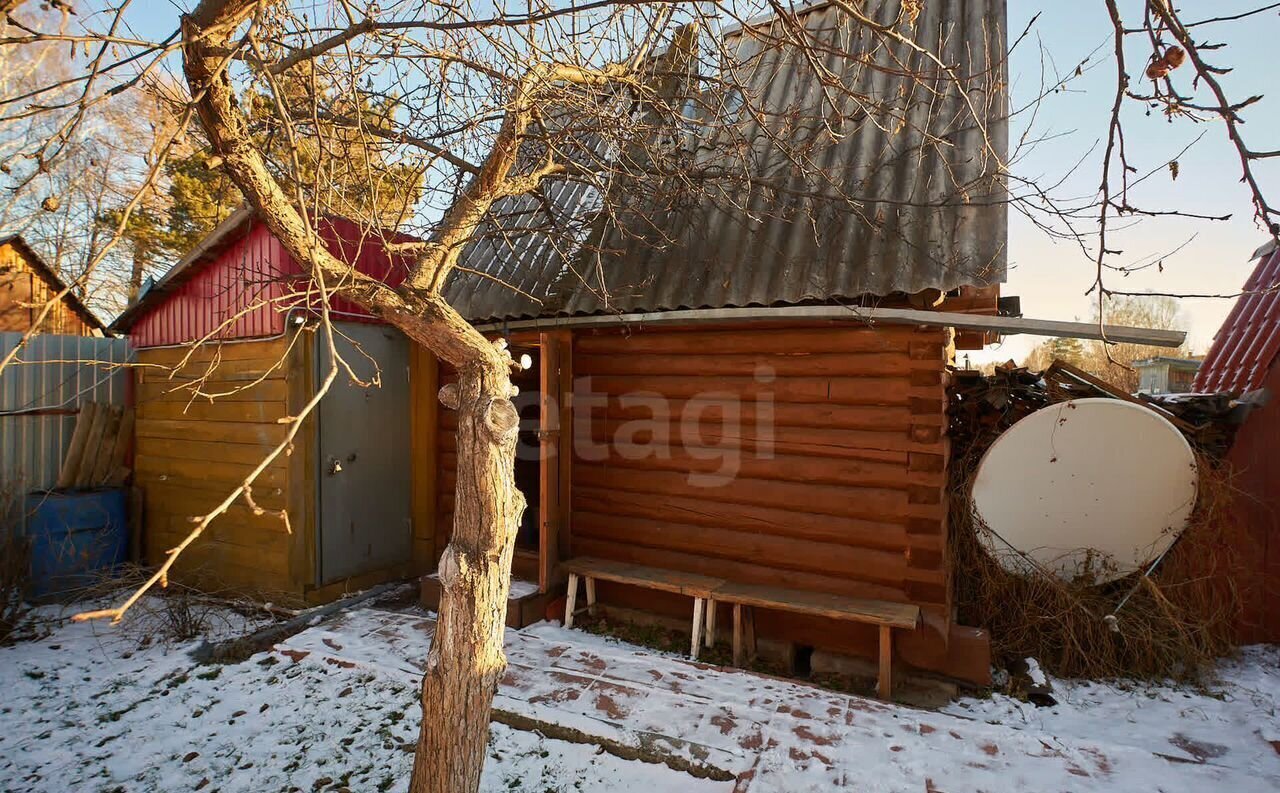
99, 448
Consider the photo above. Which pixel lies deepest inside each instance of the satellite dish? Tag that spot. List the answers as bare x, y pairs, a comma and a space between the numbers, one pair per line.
1091, 488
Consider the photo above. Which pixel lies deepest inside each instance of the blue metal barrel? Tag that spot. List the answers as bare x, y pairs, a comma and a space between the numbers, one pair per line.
76, 538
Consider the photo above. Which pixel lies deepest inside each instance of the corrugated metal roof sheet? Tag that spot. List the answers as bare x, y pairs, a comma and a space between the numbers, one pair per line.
1245, 347
924, 216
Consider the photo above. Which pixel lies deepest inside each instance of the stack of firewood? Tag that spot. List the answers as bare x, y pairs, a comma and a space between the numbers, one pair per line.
99, 448
983, 406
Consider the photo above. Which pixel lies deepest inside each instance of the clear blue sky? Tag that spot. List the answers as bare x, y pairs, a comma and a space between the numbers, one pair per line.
1053, 277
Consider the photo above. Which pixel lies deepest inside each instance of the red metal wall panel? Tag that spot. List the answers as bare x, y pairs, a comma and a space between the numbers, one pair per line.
248, 288
1255, 461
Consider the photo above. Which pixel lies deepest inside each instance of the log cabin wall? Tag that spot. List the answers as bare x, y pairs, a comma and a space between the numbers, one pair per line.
805, 457
190, 454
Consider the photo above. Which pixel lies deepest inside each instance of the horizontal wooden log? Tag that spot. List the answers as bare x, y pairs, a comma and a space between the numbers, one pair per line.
233, 371
202, 411
781, 467
227, 529
733, 570
272, 390
750, 364
779, 414
867, 503
264, 349
211, 493
782, 553
854, 532
809, 441
246, 432
223, 561
835, 390
178, 508
230, 474
745, 340
212, 451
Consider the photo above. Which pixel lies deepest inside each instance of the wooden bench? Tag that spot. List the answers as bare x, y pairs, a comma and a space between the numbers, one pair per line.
698, 587
885, 614
707, 591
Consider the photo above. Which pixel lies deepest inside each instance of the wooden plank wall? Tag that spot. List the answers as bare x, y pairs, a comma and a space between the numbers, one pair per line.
191, 454
833, 469
23, 293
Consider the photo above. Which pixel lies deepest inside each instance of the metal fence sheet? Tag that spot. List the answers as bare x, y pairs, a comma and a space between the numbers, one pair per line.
41, 392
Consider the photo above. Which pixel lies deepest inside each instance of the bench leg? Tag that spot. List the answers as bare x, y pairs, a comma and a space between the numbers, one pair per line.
571, 600
711, 623
737, 635
698, 605
591, 596
884, 687
749, 632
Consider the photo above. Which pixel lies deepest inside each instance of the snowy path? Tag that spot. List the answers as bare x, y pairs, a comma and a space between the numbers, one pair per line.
780, 736
335, 708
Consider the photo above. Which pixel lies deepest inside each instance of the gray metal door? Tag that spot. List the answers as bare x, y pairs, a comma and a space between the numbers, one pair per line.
364, 495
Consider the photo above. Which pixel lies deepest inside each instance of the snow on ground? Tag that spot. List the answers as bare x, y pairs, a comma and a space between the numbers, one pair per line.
86, 710
335, 708
1234, 722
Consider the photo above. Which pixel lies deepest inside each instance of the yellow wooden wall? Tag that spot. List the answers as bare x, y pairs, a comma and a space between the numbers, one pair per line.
23, 293
190, 454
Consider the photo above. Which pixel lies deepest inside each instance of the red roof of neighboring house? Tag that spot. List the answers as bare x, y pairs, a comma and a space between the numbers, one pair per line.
1246, 345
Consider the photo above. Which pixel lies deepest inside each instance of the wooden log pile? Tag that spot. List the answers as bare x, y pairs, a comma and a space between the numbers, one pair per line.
983, 406
99, 448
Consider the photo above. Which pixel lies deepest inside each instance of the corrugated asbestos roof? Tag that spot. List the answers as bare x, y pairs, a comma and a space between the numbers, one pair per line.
1245, 347
927, 216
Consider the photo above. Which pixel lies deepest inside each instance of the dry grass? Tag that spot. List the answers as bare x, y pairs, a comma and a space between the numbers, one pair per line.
15, 569
1174, 623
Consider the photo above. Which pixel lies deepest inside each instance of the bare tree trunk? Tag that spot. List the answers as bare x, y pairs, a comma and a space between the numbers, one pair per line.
136, 273
466, 661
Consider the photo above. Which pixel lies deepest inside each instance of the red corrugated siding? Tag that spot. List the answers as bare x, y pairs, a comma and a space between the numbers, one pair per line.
1248, 341
245, 291
1241, 359
1256, 465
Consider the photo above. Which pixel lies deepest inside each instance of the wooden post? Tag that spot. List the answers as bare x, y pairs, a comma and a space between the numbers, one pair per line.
884, 686
749, 632
549, 510
591, 596
711, 623
571, 600
737, 634
698, 605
